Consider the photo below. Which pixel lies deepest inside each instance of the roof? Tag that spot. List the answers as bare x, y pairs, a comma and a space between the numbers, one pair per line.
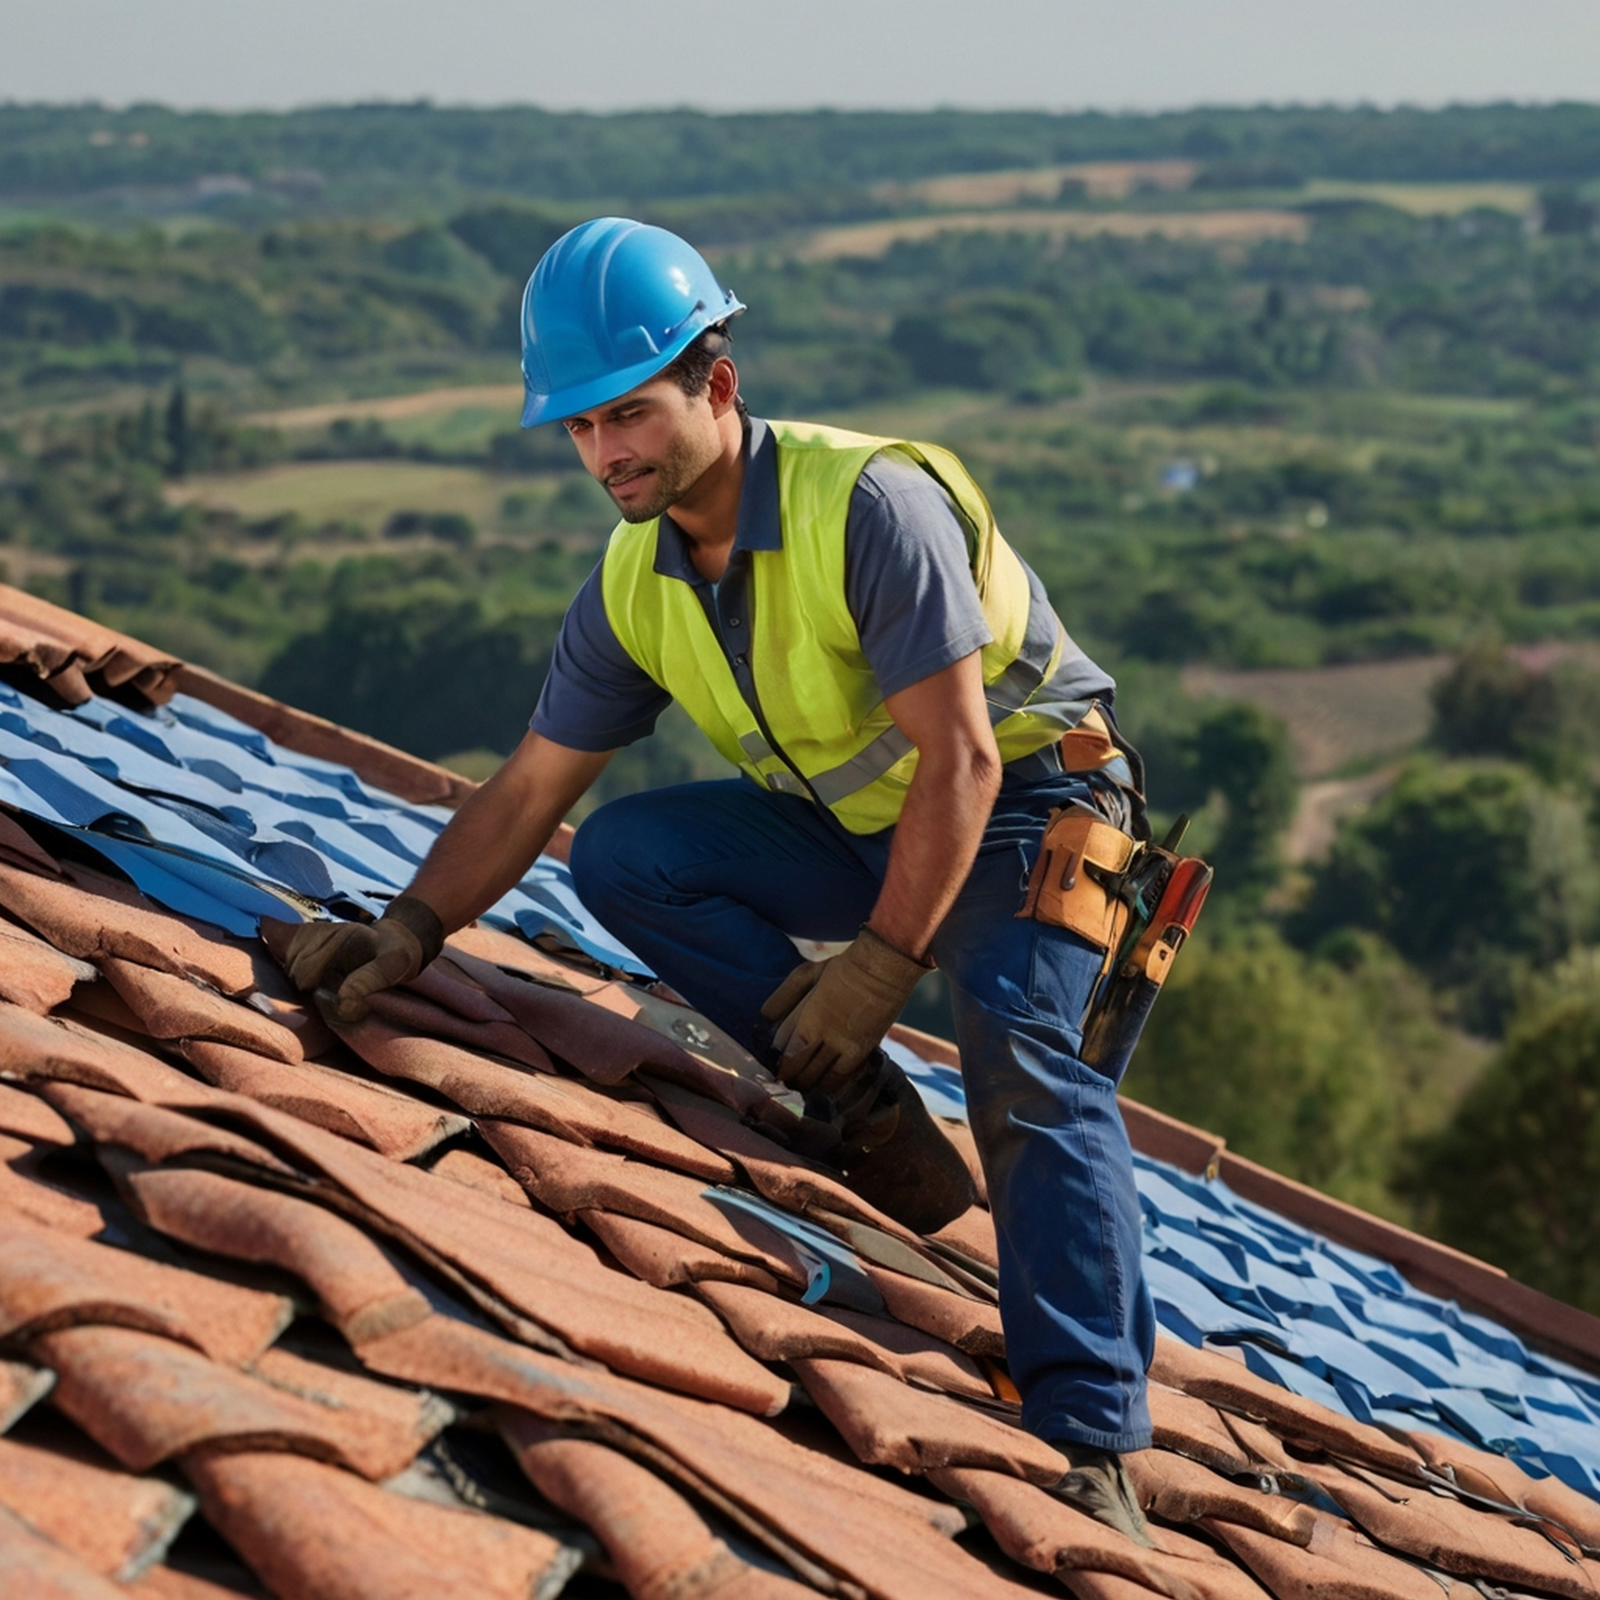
507, 1287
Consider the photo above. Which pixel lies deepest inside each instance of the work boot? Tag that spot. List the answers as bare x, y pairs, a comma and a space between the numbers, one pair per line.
892, 1153
1098, 1486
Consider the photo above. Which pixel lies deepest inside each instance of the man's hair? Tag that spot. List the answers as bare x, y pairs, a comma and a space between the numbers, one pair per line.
692, 370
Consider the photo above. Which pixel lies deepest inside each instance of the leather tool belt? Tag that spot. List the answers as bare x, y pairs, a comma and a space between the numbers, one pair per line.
1133, 901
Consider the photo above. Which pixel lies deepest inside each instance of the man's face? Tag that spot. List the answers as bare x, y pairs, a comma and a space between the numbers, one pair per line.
649, 448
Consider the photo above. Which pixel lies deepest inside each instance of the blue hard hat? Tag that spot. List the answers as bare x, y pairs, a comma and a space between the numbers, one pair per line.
610, 304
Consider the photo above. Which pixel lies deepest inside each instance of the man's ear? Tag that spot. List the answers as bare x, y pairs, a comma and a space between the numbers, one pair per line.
723, 385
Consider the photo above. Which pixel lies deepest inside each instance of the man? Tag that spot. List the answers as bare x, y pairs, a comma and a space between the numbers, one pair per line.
842, 618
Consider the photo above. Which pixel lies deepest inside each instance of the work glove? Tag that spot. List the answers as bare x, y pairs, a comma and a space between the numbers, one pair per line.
833, 1014
360, 958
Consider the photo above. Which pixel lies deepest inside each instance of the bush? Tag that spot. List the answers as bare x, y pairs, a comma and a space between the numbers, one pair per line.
1515, 1177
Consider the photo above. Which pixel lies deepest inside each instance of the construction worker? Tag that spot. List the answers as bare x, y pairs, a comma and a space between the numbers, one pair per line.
841, 617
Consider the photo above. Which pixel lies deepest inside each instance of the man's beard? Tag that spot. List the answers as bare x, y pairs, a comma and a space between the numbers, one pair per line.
676, 473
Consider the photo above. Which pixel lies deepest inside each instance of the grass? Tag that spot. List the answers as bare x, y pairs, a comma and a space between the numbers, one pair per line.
1101, 180
873, 239
1429, 199
502, 400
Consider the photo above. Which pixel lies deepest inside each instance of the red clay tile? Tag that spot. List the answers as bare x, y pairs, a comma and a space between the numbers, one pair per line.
443, 982
1263, 1449
412, 1413
775, 1329
394, 1124
155, 1132
48, 1279
666, 1259
91, 927
26, 1116
972, 1233
52, 1049
19, 848
147, 1399
570, 1109
660, 1547
1496, 1478
315, 1533
1179, 1490
1338, 1564
167, 1583
21, 1388
522, 1267
35, 974
1194, 1429
1047, 1535
1440, 1530
25, 1192
499, 949
569, 1178
411, 1014
114, 1523
476, 1172
970, 1325
178, 1008
1208, 1376
889, 1424
53, 641
359, 1289
34, 1567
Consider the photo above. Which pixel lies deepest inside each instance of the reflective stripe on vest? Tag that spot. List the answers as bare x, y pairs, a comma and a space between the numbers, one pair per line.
831, 736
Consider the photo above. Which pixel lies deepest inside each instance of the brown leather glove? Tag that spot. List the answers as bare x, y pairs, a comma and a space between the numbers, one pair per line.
359, 958
832, 1014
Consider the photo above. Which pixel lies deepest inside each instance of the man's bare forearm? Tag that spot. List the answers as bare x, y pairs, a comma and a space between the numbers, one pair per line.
935, 842
499, 830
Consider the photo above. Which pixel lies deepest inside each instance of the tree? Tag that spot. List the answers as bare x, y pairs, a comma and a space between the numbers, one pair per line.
1242, 752
177, 430
1515, 1177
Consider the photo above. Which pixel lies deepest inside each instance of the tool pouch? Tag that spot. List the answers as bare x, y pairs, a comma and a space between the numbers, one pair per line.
1168, 892
1080, 856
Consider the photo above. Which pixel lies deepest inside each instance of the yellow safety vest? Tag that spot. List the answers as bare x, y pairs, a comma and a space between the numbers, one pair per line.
823, 730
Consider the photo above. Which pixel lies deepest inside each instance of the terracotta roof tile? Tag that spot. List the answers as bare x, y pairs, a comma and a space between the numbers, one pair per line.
67, 650
666, 1259
1194, 1429
113, 1522
1261, 1445
178, 1008
1179, 1490
49, 1279
972, 1233
774, 1329
415, 1414
35, 974
21, 1388
36, 1567
18, 848
360, 1290
1044, 1533
412, 1014
568, 1108
1338, 1564
58, 1050
90, 926
477, 1172
166, 1583
969, 1324
394, 1124
889, 1424
1229, 1383
569, 1178
311, 1530
660, 1547
26, 1116
24, 1192
147, 1399
520, 1266
1440, 1530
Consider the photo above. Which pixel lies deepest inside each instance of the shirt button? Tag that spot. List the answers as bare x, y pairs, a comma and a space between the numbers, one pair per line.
733, 622
742, 661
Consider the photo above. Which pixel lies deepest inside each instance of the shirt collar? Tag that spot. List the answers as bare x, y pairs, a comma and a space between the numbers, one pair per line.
759, 528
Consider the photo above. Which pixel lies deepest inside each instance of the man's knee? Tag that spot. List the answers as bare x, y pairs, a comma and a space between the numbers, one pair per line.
609, 843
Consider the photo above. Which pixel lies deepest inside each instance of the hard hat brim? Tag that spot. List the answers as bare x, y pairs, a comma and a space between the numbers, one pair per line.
563, 403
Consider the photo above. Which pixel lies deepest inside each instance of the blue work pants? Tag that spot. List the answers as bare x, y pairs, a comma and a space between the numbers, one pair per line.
706, 880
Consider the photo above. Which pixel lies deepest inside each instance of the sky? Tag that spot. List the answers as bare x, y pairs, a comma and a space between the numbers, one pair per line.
723, 55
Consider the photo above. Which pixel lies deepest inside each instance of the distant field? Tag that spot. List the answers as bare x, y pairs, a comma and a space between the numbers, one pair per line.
1216, 227
1337, 716
364, 492
1429, 199
505, 397
1101, 180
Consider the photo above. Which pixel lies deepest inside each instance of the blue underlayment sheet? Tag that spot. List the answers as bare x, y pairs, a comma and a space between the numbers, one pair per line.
212, 819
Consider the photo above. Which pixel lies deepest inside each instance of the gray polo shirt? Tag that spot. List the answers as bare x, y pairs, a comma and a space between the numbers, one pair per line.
908, 584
